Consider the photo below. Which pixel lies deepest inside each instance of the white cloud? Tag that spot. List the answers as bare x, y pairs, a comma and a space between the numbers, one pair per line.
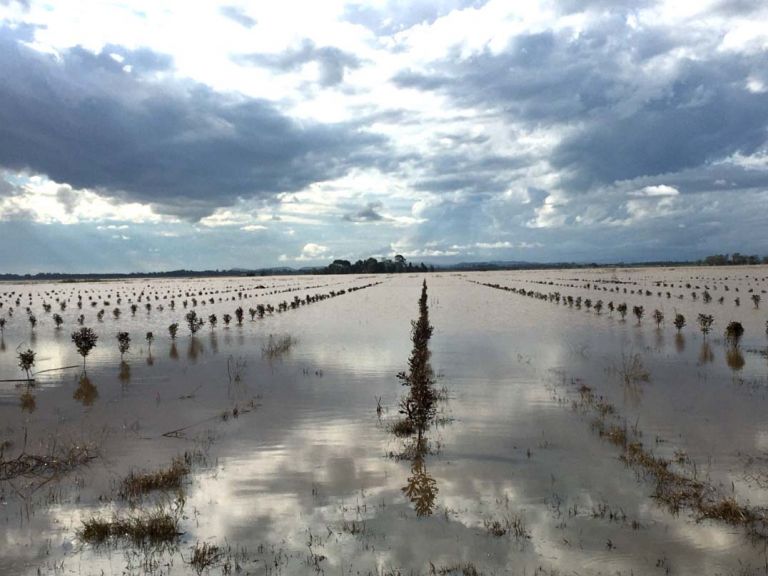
312, 251
658, 190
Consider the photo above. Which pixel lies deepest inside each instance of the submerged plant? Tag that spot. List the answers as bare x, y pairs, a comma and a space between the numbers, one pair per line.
705, 323
85, 341
194, 322
123, 343
733, 333
658, 317
419, 405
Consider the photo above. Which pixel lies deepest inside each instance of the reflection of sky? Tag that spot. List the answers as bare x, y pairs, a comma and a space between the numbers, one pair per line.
313, 454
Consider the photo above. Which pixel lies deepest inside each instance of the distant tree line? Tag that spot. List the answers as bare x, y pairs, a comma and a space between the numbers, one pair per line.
734, 259
373, 266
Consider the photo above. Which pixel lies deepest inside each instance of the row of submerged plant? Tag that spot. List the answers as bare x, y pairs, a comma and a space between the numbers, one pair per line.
191, 301
733, 333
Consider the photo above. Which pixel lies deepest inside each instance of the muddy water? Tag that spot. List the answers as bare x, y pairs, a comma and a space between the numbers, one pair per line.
303, 479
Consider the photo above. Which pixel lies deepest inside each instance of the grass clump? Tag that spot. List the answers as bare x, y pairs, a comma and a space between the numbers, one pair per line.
277, 346
632, 370
513, 525
204, 556
170, 478
458, 569
153, 527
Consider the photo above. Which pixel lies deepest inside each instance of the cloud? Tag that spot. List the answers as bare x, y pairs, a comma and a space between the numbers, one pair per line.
67, 198
237, 14
369, 213
332, 61
84, 120
312, 252
657, 190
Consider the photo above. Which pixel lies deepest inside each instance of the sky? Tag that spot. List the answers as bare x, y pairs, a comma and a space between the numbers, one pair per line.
153, 134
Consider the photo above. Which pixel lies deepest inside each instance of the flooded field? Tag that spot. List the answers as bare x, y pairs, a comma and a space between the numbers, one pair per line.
569, 437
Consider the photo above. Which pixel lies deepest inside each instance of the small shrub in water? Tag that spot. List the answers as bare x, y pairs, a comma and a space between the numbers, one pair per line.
705, 323
85, 341
123, 343
733, 333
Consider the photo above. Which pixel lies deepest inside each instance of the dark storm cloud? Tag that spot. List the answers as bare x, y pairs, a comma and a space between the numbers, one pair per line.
83, 120
333, 62
543, 77
738, 7
628, 127
369, 213
707, 114
237, 15
471, 171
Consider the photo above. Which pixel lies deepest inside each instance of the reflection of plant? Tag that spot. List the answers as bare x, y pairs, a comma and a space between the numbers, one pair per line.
706, 354
28, 403
125, 372
421, 488
86, 392
734, 358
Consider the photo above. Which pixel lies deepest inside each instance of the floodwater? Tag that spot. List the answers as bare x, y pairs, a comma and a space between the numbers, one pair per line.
295, 471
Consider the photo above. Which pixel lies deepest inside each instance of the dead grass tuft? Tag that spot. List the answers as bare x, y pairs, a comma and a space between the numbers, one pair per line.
171, 478
277, 346
153, 527
204, 556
